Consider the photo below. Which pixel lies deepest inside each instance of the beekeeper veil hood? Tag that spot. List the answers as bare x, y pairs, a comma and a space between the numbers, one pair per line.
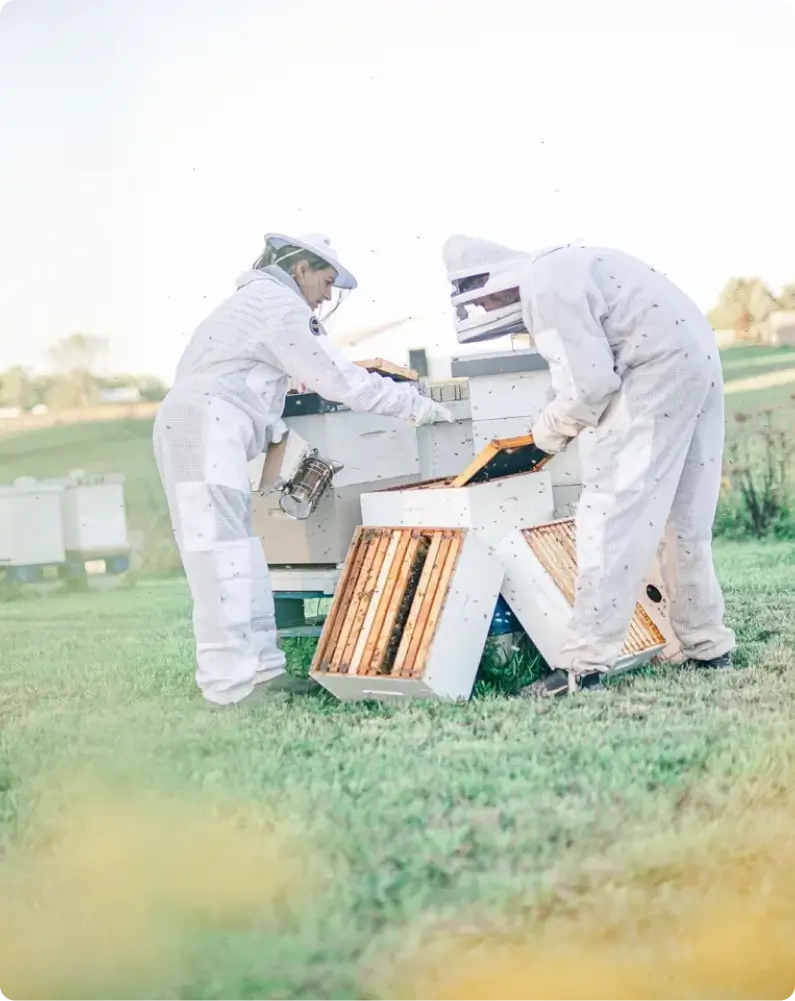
485, 288
282, 251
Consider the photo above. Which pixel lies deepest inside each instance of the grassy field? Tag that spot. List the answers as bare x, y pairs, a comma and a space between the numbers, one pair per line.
638, 842
361, 833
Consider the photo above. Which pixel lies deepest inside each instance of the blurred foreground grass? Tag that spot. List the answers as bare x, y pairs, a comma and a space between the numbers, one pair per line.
631, 843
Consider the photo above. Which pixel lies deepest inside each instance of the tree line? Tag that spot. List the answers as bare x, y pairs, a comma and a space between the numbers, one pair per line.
746, 304
73, 380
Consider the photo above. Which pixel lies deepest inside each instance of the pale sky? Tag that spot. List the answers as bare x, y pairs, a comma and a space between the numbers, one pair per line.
146, 147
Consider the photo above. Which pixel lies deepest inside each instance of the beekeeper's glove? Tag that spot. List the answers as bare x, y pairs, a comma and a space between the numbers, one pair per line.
277, 432
428, 411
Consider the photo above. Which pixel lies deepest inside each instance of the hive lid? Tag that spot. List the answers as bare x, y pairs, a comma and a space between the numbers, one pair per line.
399, 373
503, 457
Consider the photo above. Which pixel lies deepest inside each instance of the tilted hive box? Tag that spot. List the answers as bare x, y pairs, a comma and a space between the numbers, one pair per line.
504, 486
410, 615
507, 392
540, 571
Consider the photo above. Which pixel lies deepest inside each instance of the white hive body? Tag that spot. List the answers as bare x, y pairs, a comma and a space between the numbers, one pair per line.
410, 615
94, 516
490, 509
540, 570
445, 449
31, 529
505, 486
372, 450
507, 392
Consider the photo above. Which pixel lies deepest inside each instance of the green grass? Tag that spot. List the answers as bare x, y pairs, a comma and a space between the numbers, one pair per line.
426, 812
749, 362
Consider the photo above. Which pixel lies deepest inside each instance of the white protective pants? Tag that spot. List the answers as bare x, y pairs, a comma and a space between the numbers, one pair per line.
202, 448
651, 478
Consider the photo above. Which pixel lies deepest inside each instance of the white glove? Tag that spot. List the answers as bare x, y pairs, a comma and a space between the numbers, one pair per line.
428, 411
547, 438
277, 431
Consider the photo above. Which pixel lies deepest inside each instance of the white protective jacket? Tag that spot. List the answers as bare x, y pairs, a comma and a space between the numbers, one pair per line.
247, 349
636, 378
228, 396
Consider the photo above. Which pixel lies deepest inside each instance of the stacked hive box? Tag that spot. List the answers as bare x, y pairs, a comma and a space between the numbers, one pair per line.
411, 614
507, 392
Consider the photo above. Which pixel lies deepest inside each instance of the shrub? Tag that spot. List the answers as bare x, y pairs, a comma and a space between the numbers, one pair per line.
758, 497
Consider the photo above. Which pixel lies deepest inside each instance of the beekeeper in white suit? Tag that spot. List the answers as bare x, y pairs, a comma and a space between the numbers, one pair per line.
224, 409
636, 378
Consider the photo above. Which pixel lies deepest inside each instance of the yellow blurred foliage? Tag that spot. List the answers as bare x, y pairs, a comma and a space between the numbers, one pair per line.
114, 887
717, 924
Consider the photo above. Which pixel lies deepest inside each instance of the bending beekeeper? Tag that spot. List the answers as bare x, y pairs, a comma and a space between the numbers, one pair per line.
636, 378
224, 409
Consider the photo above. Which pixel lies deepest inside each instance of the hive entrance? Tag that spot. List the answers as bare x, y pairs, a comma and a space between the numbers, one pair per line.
388, 602
555, 547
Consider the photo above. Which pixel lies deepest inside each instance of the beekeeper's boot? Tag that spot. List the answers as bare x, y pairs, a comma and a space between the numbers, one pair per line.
561, 683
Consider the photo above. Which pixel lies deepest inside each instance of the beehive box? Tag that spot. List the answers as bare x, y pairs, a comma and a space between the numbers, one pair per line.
94, 516
410, 615
540, 572
493, 495
31, 530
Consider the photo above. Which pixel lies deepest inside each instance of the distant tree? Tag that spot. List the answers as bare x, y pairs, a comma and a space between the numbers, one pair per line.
77, 352
18, 389
787, 298
151, 388
74, 389
744, 306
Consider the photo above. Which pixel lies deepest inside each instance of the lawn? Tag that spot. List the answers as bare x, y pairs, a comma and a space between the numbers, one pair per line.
314, 849
150, 847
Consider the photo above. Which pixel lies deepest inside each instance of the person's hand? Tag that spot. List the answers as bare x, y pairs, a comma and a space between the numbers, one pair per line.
548, 441
277, 432
428, 411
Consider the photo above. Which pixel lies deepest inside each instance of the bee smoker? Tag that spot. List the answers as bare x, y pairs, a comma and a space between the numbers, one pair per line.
301, 495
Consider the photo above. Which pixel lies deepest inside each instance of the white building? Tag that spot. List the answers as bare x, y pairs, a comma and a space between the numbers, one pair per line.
782, 328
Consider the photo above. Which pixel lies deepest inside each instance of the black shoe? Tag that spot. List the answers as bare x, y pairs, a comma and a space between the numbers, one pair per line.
716, 664
556, 684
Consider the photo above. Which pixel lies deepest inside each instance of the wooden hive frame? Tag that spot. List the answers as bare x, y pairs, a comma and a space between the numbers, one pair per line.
503, 457
400, 373
555, 547
540, 564
500, 459
388, 602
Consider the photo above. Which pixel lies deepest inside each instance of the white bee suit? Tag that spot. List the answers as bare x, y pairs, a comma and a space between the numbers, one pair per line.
637, 378
226, 403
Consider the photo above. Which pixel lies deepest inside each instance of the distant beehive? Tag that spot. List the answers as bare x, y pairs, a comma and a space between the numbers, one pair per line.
31, 533
93, 512
410, 615
540, 573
